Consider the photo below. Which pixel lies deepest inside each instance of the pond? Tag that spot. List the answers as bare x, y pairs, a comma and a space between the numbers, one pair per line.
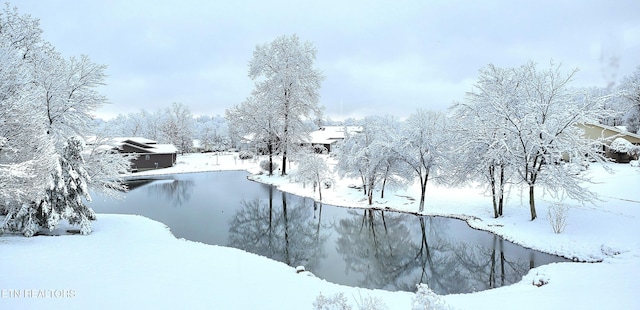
356, 247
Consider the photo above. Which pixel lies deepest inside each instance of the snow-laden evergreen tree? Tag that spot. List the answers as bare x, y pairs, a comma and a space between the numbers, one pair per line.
286, 78
535, 121
68, 187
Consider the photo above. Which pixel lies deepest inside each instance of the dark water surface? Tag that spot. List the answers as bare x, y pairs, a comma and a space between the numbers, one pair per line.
364, 248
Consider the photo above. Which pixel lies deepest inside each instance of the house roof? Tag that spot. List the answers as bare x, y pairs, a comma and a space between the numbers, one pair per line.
164, 149
331, 134
140, 140
145, 145
620, 131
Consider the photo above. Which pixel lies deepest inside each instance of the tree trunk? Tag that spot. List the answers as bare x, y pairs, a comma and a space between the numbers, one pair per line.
423, 192
501, 200
286, 229
284, 163
494, 194
532, 202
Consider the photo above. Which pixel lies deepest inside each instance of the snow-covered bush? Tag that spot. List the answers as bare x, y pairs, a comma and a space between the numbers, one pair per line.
371, 303
339, 302
540, 279
612, 249
335, 302
264, 165
327, 183
426, 299
557, 214
245, 155
621, 145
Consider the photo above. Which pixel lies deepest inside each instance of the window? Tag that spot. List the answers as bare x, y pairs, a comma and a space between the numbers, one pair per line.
147, 157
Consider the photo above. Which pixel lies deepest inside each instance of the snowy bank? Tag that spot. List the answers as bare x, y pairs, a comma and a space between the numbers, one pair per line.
131, 262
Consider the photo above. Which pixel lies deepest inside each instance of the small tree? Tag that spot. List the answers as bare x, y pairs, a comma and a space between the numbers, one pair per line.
557, 215
366, 155
313, 168
63, 199
423, 147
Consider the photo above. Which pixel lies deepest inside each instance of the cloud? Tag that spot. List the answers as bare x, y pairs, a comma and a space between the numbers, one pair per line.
378, 57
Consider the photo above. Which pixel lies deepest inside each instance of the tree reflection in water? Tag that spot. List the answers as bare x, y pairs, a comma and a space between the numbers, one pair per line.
387, 251
286, 230
177, 192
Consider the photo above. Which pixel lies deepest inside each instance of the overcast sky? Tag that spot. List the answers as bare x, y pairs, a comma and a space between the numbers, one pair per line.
378, 57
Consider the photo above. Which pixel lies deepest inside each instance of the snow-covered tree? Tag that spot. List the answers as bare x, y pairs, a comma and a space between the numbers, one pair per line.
25, 151
482, 148
258, 122
140, 124
68, 93
212, 132
368, 155
286, 79
538, 113
177, 126
314, 169
629, 92
44, 100
63, 199
423, 146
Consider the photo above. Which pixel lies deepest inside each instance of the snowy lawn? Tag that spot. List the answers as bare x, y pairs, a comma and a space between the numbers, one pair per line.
132, 262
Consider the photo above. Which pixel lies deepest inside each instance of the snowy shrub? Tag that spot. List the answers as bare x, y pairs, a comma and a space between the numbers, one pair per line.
327, 183
612, 249
621, 145
634, 163
557, 214
335, 302
371, 303
540, 280
264, 165
426, 299
339, 302
245, 155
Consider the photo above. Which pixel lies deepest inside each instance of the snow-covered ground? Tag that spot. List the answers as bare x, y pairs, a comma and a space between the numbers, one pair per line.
133, 262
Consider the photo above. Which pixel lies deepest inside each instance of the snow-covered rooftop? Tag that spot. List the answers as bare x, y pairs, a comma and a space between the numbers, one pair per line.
331, 134
163, 148
134, 139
